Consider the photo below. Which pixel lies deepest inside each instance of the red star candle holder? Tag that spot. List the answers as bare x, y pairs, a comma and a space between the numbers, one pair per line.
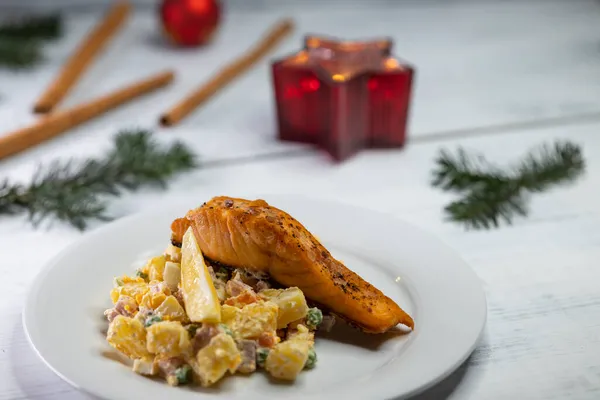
343, 96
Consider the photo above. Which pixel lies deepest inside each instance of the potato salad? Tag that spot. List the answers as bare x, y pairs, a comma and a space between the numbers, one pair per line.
188, 320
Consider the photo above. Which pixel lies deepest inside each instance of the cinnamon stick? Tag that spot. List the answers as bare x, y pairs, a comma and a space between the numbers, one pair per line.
58, 122
80, 60
228, 73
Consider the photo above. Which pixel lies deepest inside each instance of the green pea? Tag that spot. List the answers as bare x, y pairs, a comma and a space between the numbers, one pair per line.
142, 275
192, 328
261, 356
223, 270
226, 329
222, 273
314, 318
311, 361
152, 319
183, 374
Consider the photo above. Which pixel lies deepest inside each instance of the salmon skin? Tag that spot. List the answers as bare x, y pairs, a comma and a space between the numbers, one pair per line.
256, 236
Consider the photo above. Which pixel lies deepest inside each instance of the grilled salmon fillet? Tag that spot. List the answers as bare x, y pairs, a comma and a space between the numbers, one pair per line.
256, 236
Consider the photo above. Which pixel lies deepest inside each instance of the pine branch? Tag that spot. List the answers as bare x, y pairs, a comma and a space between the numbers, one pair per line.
491, 195
77, 192
46, 27
462, 172
18, 54
485, 206
550, 165
21, 39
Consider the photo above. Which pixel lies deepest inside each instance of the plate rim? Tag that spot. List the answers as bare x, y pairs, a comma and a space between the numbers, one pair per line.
39, 278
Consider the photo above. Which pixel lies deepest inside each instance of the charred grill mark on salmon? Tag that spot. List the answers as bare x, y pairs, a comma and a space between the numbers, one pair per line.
256, 236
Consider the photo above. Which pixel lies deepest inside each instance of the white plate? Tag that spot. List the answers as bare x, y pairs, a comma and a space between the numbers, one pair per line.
64, 322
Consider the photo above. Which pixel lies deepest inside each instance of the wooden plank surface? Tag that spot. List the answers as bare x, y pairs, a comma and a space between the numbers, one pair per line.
479, 64
540, 275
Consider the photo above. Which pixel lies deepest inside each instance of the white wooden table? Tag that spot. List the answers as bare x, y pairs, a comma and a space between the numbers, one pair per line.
488, 75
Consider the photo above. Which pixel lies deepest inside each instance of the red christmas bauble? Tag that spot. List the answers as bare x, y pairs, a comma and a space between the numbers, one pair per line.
190, 22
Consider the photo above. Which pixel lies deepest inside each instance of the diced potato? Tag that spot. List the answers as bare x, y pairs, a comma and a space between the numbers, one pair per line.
168, 338
158, 287
125, 280
229, 314
287, 359
172, 274
156, 266
270, 293
128, 336
214, 360
132, 287
171, 310
145, 366
173, 253
291, 302
153, 300
172, 380
142, 314
302, 333
157, 293
252, 320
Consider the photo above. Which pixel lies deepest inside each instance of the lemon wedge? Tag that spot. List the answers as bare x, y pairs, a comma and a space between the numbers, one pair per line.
199, 294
